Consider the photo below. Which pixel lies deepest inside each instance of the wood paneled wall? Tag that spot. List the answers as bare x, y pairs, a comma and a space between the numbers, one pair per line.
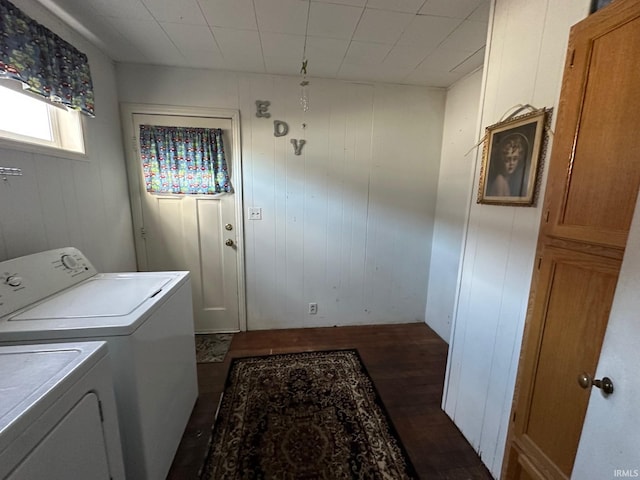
347, 224
524, 66
61, 202
454, 191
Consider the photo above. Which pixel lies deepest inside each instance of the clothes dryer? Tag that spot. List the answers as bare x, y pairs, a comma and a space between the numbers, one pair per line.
146, 318
58, 416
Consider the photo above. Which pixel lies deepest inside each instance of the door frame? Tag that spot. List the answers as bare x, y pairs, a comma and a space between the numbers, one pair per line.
135, 180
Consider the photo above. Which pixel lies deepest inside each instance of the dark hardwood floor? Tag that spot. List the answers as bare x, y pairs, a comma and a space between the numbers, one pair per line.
407, 364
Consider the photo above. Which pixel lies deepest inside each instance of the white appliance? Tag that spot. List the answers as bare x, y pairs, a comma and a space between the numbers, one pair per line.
58, 416
145, 318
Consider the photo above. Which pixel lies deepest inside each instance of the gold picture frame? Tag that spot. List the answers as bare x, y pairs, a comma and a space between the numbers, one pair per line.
511, 159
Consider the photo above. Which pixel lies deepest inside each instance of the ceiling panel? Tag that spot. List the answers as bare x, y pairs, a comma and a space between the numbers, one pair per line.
353, 3
282, 45
182, 11
150, 39
444, 60
471, 63
431, 78
421, 42
229, 13
191, 37
450, 8
469, 37
405, 56
481, 14
333, 21
238, 43
119, 8
283, 16
198, 58
407, 6
381, 26
363, 53
428, 32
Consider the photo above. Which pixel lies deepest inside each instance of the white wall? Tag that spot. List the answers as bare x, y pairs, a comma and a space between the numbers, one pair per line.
456, 171
60, 202
526, 56
348, 224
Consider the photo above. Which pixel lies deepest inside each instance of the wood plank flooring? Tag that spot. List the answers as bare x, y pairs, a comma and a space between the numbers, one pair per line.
407, 364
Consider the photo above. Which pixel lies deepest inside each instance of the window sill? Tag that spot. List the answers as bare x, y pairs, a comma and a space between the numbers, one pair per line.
43, 150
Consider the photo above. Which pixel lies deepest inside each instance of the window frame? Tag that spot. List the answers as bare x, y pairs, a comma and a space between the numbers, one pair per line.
65, 142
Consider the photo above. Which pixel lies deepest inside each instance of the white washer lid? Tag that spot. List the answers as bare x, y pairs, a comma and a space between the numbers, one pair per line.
100, 296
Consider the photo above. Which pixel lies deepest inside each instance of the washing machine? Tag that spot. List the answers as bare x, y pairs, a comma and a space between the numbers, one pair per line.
58, 416
146, 319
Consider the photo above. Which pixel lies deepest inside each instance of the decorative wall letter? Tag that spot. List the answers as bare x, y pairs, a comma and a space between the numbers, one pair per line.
261, 108
297, 145
280, 128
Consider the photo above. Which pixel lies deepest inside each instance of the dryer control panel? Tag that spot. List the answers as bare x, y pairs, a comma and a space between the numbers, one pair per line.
29, 279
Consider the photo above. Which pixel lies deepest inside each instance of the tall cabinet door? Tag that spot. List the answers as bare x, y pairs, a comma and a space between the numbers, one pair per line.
593, 182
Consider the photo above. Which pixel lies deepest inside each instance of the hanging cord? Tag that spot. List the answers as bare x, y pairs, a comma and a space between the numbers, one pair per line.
303, 69
304, 84
518, 108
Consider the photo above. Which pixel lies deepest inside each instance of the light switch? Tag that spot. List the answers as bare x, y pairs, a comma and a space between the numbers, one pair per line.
255, 213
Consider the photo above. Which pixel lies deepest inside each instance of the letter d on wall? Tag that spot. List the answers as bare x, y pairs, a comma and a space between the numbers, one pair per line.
280, 128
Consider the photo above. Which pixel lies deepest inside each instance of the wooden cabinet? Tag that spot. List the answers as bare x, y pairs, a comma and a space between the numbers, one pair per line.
592, 187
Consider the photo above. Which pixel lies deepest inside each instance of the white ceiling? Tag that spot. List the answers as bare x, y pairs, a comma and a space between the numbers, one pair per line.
418, 42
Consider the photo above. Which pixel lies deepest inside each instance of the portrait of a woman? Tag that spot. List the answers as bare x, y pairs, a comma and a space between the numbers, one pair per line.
510, 160
507, 172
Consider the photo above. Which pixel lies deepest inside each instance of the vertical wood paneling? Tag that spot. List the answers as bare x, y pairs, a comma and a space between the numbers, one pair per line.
70, 201
317, 176
260, 165
60, 201
354, 220
21, 213
456, 172
500, 243
91, 209
50, 187
336, 165
348, 223
3, 246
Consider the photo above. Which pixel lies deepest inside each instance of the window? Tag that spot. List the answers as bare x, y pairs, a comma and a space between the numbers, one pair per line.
28, 120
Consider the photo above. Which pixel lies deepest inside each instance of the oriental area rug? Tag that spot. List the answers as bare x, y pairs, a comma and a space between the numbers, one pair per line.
303, 416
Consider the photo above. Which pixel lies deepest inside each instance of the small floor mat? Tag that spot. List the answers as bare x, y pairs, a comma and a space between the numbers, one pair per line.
212, 347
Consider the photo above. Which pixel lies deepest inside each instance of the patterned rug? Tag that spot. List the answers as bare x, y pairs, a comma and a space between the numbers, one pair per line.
311, 416
212, 347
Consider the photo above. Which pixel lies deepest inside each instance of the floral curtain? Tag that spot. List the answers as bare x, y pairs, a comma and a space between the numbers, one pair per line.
183, 160
43, 62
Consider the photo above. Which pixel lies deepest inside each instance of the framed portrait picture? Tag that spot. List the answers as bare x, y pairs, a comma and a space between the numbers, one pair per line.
510, 160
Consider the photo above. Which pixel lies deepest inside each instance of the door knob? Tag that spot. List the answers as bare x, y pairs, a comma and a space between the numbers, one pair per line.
585, 380
229, 243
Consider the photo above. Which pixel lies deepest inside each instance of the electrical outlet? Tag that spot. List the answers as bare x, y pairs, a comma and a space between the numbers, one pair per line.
255, 213
313, 308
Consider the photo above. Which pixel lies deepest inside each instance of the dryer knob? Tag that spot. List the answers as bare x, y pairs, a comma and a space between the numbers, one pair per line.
69, 262
13, 281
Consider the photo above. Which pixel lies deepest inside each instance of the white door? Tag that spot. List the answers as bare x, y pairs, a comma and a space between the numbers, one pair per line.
199, 233
611, 434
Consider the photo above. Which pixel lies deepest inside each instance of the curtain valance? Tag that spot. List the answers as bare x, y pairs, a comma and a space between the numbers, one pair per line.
43, 62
